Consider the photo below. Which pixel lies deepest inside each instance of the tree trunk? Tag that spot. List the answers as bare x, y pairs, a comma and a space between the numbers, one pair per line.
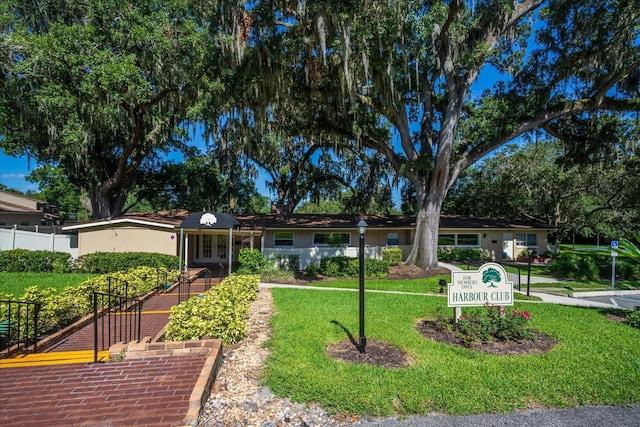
106, 203
424, 252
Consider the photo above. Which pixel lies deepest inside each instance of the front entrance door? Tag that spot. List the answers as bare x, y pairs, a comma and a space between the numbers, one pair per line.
212, 248
507, 246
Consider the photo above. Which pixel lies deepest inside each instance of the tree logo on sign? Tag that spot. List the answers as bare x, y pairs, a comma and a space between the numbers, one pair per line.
491, 275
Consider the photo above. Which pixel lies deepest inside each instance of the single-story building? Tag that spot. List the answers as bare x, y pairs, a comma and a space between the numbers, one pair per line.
17, 210
214, 239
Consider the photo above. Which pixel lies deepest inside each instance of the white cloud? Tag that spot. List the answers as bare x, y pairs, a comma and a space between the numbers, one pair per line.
12, 176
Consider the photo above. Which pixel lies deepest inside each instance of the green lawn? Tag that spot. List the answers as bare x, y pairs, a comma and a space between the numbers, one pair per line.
419, 286
596, 361
16, 283
409, 285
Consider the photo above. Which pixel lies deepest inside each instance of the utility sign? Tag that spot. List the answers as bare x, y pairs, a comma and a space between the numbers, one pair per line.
614, 244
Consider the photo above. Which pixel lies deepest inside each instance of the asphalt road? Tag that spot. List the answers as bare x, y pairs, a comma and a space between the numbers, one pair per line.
628, 300
584, 416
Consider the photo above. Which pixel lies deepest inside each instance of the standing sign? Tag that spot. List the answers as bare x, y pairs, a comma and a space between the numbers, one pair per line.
487, 285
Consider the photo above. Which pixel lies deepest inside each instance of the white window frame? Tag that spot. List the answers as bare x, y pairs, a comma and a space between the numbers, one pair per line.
393, 236
221, 246
524, 238
207, 246
276, 238
456, 244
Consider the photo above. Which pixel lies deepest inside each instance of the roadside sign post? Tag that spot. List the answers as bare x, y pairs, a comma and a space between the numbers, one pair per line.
614, 254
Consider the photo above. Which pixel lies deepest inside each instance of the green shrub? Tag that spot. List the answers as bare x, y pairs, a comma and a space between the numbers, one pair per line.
109, 262
626, 269
312, 270
392, 255
475, 255
219, 313
285, 262
22, 260
251, 261
633, 318
59, 310
564, 266
493, 323
293, 263
342, 266
587, 268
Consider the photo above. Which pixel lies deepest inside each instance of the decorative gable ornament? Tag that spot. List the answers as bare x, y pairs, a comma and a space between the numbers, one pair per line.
208, 219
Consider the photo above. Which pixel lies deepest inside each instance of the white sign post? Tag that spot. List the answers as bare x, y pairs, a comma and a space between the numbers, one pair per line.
614, 255
475, 288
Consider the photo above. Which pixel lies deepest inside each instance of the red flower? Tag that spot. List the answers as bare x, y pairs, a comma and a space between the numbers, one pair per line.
526, 315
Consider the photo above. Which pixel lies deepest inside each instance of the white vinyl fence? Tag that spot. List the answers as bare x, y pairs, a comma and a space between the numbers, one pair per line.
315, 254
11, 238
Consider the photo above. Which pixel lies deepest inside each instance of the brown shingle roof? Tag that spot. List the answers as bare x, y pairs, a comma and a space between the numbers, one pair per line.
261, 221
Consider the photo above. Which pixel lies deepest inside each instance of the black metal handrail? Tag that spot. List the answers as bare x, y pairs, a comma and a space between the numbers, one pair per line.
162, 280
18, 326
118, 287
207, 279
184, 288
116, 318
221, 270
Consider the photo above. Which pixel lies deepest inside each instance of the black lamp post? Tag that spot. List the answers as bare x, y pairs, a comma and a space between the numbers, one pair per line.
362, 228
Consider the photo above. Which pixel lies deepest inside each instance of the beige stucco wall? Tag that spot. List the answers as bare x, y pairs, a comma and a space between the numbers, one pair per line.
493, 240
128, 239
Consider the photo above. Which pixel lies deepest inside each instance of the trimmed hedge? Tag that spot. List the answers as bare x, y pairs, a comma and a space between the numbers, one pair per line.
342, 266
218, 313
252, 261
463, 255
108, 262
23, 260
392, 255
60, 309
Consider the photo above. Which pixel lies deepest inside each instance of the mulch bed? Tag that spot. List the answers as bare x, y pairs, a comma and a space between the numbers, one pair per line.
379, 353
376, 353
542, 344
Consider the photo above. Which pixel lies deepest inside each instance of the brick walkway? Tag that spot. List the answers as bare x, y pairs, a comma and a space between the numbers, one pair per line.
155, 385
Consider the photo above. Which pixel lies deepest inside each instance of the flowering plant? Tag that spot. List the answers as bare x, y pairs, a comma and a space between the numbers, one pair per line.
495, 323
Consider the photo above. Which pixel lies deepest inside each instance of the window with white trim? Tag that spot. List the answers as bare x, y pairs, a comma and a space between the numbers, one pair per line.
222, 246
283, 239
526, 240
393, 239
207, 246
468, 240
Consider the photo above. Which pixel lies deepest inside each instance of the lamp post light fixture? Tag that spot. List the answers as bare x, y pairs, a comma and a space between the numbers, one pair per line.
362, 228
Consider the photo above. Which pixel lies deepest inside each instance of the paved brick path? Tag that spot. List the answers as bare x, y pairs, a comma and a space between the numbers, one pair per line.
152, 391
147, 390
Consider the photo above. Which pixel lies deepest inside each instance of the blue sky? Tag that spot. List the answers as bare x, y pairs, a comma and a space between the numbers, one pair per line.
13, 170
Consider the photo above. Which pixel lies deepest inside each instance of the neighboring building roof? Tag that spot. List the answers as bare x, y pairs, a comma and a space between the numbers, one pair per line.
12, 202
260, 221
